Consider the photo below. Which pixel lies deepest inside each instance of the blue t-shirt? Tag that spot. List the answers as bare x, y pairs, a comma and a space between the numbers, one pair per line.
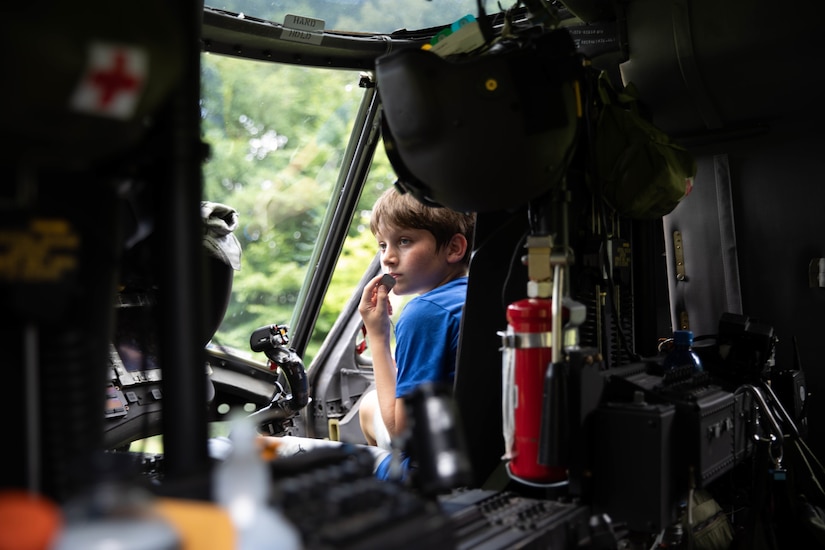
426, 345
384, 469
426, 336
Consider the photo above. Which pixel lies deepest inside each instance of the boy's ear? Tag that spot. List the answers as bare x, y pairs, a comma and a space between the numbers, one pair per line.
456, 248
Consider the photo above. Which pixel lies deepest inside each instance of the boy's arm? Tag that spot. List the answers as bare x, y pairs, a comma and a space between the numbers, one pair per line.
383, 366
376, 316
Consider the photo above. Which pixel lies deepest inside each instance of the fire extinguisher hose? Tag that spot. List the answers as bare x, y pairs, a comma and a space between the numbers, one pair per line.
555, 351
508, 404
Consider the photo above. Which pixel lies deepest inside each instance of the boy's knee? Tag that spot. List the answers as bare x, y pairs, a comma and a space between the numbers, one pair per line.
367, 410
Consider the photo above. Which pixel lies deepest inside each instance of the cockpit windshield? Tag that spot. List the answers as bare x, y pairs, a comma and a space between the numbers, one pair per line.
360, 16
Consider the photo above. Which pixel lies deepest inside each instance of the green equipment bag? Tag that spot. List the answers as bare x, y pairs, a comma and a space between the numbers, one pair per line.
641, 173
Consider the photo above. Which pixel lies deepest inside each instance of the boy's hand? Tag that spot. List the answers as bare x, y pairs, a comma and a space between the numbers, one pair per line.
375, 307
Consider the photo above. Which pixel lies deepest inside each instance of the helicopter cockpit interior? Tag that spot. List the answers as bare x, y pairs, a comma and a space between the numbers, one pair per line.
638, 169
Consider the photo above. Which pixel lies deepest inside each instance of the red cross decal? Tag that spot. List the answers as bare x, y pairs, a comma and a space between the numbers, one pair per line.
112, 81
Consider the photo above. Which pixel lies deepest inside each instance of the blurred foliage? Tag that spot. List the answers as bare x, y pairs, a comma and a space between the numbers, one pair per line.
277, 134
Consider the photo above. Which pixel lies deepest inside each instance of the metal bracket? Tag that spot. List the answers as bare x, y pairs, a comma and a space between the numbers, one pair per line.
679, 253
684, 320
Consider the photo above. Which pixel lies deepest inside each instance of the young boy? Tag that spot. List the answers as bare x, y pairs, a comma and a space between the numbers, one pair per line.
427, 251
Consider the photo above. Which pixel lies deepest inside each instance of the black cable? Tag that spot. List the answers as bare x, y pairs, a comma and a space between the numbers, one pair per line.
513, 257
591, 83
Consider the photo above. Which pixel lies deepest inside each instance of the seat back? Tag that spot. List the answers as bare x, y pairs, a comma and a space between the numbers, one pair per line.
493, 283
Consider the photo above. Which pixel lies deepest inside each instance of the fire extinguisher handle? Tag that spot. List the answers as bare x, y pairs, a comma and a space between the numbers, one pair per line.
555, 422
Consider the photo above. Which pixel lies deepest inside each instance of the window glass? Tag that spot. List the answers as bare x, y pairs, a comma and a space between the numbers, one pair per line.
277, 135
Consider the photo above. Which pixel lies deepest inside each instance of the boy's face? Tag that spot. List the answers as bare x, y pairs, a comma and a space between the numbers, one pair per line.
411, 257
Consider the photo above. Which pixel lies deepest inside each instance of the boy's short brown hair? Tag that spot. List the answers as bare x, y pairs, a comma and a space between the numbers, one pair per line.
397, 209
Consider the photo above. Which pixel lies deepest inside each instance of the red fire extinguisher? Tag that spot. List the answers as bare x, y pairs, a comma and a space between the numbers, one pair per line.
527, 354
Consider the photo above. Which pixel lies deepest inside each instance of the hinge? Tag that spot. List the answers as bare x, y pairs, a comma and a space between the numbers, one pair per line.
679, 252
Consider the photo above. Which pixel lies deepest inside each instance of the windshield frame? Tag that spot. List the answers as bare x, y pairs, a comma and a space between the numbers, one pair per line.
347, 191
238, 35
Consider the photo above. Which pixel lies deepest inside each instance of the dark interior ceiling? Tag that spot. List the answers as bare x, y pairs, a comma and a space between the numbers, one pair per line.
701, 66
